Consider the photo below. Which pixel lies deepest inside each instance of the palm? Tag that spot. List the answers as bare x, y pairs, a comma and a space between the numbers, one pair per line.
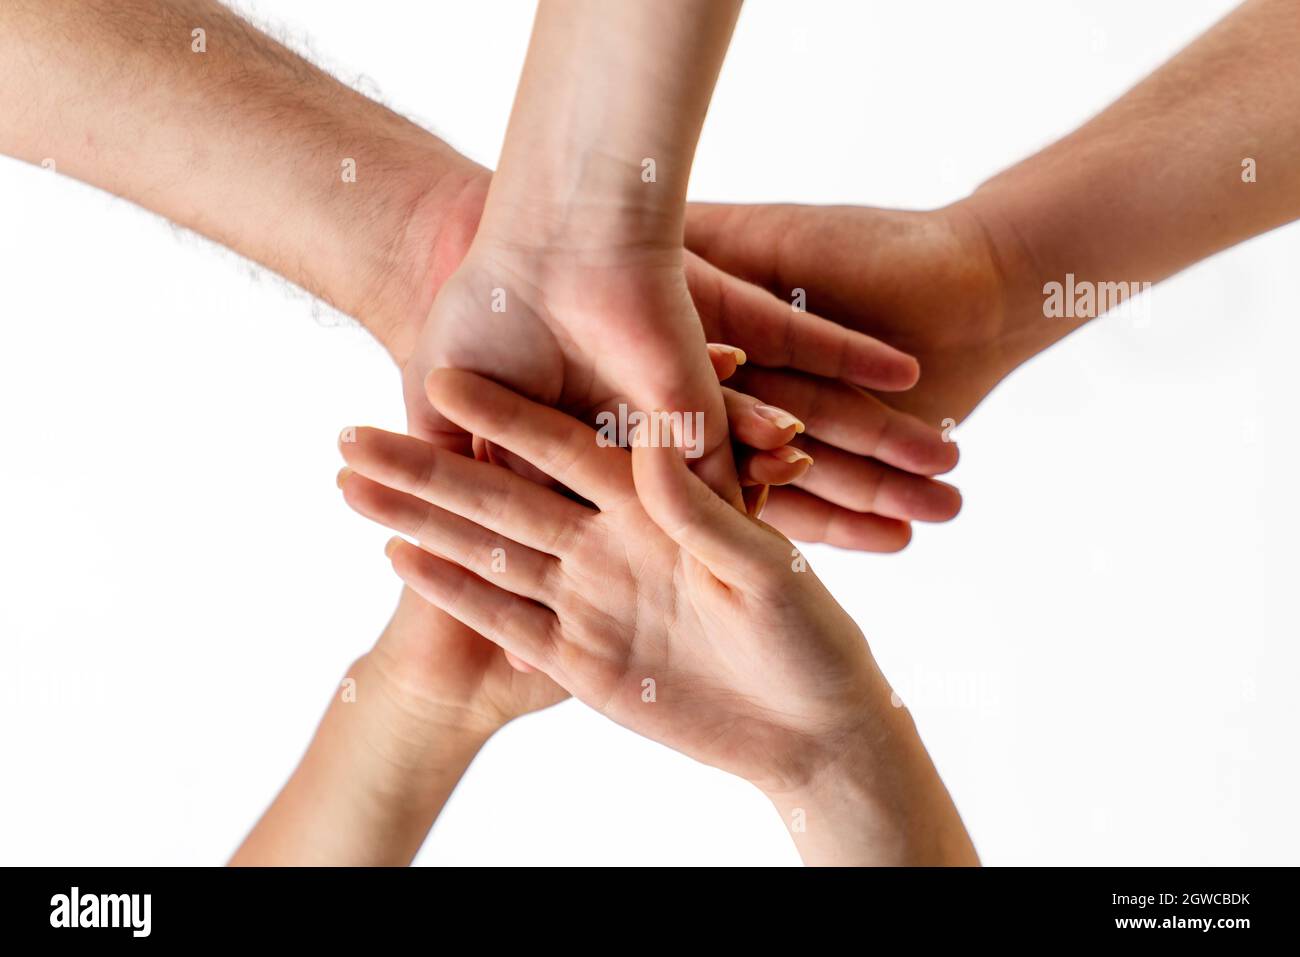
579, 338
659, 655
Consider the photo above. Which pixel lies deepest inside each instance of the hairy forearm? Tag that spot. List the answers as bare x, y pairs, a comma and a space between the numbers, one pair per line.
234, 136
1155, 183
605, 124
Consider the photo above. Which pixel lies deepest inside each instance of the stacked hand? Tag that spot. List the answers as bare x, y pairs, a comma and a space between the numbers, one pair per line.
576, 280
444, 663
663, 608
584, 332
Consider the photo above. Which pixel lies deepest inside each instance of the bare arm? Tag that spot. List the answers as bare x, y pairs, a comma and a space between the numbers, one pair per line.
374, 778
581, 235
231, 134
228, 133
606, 88
1201, 155
1158, 181
401, 729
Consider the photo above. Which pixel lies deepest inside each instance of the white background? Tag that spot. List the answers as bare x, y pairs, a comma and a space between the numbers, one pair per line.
1100, 651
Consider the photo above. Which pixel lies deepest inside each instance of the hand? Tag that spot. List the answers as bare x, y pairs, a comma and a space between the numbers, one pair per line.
929, 283
660, 588
880, 459
438, 665
588, 333
423, 701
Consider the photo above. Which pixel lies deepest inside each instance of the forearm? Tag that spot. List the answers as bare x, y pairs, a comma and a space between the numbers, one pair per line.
243, 141
605, 124
879, 803
1155, 183
374, 779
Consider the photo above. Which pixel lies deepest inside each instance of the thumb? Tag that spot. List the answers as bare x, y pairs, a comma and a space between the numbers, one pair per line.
425, 422
724, 540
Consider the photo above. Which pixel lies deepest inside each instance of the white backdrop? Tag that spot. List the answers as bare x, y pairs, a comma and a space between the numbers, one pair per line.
1100, 651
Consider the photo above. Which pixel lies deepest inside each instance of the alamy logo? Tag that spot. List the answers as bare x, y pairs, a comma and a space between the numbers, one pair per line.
1087, 300
656, 430
102, 910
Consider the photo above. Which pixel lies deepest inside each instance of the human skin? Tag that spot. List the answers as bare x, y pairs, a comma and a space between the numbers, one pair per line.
250, 154
1149, 187
960, 288
244, 144
413, 712
380, 249
573, 290
393, 744
667, 611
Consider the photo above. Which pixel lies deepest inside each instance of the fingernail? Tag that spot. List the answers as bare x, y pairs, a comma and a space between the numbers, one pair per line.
342, 477
755, 497
392, 546
733, 351
778, 417
348, 435
790, 455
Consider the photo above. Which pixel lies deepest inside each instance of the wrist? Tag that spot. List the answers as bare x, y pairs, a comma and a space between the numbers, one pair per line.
377, 772
1013, 253
588, 205
415, 745
878, 802
584, 170
425, 700
430, 240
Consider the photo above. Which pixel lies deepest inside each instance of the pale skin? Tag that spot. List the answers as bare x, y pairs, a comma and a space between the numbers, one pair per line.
660, 586
252, 159
254, 163
411, 714
400, 731
959, 288
576, 270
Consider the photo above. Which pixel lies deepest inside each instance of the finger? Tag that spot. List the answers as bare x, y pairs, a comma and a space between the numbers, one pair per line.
865, 485
519, 664
772, 467
756, 424
485, 494
515, 567
725, 541
726, 359
849, 419
806, 518
756, 499
556, 444
425, 422
782, 334
523, 628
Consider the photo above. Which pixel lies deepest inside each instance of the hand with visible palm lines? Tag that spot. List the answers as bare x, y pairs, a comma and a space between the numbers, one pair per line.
660, 586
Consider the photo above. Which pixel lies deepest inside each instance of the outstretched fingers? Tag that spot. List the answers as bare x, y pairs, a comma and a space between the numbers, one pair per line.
525, 629
781, 334
557, 444
481, 492
850, 419
515, 567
